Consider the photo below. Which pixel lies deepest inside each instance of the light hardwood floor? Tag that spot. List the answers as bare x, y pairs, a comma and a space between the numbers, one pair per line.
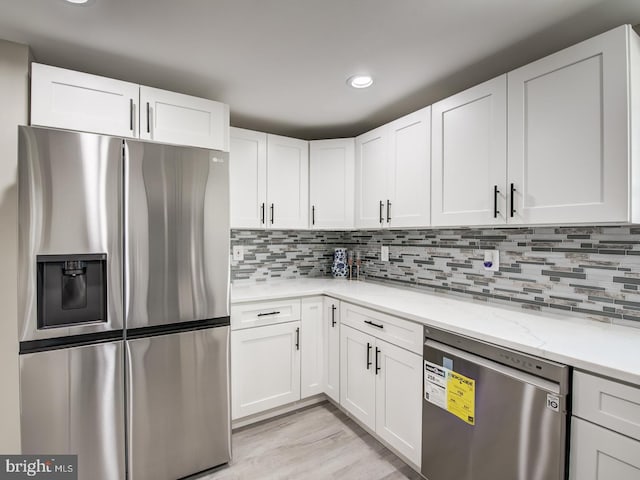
319, 442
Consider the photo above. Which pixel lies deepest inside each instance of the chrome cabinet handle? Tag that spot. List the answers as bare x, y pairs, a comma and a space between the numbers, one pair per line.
268, 313
369, 322
368, 354
388, 211
298, 338
377, 366
262, 213
272, 215
381, 207
495, 201
333, 315
313, 215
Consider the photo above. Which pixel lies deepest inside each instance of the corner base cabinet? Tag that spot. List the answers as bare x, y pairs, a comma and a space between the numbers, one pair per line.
265, 368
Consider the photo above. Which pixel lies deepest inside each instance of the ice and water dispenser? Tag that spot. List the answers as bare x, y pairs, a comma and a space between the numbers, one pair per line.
72, 290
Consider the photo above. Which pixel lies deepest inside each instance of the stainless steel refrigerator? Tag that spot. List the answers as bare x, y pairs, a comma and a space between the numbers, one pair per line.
124, 304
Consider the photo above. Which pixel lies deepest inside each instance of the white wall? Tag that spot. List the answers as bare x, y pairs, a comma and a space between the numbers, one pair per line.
14, 88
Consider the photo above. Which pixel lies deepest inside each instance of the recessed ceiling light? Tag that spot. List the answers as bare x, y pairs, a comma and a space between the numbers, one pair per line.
77, 2
360, 81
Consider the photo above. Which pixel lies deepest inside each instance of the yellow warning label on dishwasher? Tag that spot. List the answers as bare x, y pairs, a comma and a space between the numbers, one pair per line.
461, 397
450, 391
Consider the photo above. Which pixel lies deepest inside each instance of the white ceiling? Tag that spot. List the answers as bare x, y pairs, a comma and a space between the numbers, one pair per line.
281, 65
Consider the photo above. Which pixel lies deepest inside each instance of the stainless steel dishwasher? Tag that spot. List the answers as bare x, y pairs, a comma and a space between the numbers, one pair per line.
490, 413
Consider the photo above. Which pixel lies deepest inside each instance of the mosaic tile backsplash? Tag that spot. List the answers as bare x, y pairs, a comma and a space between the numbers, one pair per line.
587, 271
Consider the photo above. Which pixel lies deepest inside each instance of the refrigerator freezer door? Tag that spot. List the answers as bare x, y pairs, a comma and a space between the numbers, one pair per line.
70, 202
177, 234
178, 391
72, 402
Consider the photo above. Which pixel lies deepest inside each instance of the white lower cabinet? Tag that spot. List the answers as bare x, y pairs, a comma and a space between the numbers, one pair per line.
399, 399
331, 325
600, 454
312, 347
605, 429
265, 368
357, 378
277, 353
380, 385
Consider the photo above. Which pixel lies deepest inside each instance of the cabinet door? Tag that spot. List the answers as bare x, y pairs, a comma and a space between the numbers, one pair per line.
357, 375
171, 117
78, 101
600, 454
568, 134
371, 177
265, 368
331, 322
331, 180
312, 347
399, 399
408, 173
248, 178
287, 182
470, 156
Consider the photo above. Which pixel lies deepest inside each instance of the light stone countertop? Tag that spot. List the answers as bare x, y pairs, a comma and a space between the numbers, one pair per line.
601, 348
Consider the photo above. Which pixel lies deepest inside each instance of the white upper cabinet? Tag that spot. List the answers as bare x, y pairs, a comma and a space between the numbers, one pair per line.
392, 173
269, 180
184, 120
71, 100
469, 156
287, 182
371, 177
408, 182
570, 142
248, 178
331, 181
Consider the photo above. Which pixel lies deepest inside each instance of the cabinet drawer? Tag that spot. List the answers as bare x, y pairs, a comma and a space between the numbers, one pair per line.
247, 315
400, 332
605, 402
